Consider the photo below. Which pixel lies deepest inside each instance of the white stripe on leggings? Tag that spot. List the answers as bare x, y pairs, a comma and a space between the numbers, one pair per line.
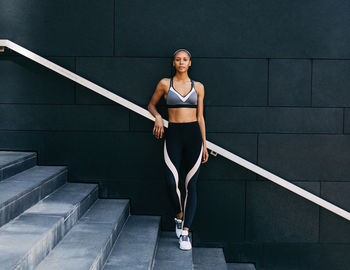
174, 172
190, 175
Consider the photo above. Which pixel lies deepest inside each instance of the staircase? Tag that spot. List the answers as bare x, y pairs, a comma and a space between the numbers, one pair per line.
49, 223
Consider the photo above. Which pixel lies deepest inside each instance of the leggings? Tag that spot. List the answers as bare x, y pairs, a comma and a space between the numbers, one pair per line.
183, 140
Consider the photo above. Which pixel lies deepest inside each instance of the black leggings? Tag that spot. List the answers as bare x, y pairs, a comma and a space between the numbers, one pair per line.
183, 140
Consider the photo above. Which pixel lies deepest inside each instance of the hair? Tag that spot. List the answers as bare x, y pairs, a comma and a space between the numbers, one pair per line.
184, 50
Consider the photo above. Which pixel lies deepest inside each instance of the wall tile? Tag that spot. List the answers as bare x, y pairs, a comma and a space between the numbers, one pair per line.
334, 228
229, 82
64, 117
289, 82
243, 145
330, 83
93, 155
24, 81
274, 120
214, 198
306, 157
275, 214
60, 28
134, 79
255, 29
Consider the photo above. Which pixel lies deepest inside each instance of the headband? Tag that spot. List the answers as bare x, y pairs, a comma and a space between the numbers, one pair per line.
182, 50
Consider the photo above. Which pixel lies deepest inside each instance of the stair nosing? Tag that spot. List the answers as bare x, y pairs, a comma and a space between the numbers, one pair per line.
154, 248
115, 230
28, 190
61, 220
27, 197
17, 163
29, 156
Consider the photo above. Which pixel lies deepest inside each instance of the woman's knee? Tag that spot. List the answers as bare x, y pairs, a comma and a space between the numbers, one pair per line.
171, 184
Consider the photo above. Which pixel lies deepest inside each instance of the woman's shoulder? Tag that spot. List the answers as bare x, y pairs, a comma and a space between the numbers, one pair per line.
164, 81
198, 86
198, 83
164, 84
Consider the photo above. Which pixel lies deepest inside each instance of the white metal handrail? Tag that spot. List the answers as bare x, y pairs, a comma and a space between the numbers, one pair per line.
223, 152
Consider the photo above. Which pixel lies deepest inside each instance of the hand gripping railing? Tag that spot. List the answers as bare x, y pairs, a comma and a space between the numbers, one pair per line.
223, 152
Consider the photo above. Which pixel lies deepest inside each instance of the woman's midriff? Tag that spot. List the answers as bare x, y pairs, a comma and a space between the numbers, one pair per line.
178, 115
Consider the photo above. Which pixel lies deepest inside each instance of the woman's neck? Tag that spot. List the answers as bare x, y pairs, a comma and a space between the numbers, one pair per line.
182, 77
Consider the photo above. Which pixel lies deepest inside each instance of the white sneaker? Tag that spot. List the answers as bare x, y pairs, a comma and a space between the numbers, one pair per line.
178, 227
185, 242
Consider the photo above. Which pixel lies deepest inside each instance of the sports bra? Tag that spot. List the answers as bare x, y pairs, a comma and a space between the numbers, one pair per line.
175, 100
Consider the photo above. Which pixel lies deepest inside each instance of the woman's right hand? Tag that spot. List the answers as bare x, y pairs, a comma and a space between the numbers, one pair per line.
158, 128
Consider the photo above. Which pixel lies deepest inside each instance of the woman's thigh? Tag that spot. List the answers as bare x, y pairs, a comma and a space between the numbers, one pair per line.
173, 149
192, 152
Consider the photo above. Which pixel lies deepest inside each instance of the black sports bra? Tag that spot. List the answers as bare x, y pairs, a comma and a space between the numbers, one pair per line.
175, 100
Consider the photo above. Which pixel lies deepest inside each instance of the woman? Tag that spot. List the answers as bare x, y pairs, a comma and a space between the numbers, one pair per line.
184, 139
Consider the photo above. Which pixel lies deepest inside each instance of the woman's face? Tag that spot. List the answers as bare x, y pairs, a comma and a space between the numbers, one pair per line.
181, 61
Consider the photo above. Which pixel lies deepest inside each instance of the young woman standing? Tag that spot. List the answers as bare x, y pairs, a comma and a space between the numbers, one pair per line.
184, 139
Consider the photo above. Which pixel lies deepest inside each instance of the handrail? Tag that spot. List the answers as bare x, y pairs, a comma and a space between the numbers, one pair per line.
223, 152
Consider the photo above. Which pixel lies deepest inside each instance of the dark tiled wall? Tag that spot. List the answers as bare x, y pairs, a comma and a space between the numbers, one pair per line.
277, 78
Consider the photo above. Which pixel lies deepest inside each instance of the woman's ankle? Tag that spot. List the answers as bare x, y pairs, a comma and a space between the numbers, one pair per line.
179, 215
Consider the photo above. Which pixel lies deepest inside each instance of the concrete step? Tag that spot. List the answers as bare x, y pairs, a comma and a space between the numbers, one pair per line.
23, 190
88, 244
240, 266
169, 256
136, 245
26, 240
293, 268
12, 162
209, 258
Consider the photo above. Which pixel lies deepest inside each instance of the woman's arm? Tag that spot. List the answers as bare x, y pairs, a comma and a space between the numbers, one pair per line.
158, 128
201, 120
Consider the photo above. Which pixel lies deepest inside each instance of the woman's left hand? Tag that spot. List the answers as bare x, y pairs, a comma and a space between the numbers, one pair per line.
205, 155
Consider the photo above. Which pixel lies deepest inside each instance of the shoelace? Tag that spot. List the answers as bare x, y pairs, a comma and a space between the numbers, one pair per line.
184, 238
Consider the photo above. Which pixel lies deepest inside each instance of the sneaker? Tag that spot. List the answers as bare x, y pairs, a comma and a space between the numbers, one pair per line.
185, 242
178, 227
